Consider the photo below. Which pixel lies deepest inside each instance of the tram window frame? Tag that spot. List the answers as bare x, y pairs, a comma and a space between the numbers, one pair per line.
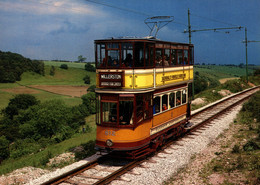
139, 55
166, 57
158, 57
185, 55
180, 56
127, 116
155, 104
98, 109
178, 98
184, 96
173, 61
110, 120
127, 52
165, 101
172, 100
100, 55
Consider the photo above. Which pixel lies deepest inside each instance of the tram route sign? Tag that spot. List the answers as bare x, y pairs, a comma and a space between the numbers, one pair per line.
111, 79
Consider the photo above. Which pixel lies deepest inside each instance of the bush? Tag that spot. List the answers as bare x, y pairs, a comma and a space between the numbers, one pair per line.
91, 88
85, 150
250, 146
19, 102
52, 71
90, 67
89, 100
64, 66
86, 79
4, 148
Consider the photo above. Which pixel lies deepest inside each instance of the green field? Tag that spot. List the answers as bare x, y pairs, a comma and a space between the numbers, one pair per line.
70, 64
220, 72
73, 76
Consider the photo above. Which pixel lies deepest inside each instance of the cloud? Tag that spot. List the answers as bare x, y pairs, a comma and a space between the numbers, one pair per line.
50, 7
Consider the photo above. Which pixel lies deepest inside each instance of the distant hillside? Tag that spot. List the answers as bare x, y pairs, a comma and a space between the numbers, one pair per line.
13, 65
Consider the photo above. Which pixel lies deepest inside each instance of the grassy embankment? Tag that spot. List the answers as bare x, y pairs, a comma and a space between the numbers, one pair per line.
234, 84
238, 160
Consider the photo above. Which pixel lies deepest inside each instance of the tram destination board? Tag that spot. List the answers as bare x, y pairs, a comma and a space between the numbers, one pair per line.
111, 79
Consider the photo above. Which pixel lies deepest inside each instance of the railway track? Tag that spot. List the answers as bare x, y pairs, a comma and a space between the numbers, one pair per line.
104, 170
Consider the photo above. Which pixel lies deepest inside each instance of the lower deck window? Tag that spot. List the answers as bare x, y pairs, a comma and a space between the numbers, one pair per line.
126, 107
109, 112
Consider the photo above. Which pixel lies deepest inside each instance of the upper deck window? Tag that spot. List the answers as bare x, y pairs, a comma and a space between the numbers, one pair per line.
127, 54
139, 54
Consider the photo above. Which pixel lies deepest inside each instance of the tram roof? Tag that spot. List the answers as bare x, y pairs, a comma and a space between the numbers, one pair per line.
144, 39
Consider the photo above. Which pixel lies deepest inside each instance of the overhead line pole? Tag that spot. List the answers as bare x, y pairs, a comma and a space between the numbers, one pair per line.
246, 42
189, 28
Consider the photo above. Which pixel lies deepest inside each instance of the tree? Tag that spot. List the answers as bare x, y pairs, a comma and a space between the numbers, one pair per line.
81, 59
64, 66
52, 71
19, 102
86, 79
48, 119
91, 88
90, 67
4, 148
89, 100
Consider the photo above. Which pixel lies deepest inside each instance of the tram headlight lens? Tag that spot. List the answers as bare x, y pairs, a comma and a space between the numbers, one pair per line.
109, 143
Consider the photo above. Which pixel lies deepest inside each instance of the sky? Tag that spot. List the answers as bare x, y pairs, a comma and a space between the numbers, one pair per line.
65, 29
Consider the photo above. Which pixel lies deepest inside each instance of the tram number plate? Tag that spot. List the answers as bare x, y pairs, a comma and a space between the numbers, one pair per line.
110, 133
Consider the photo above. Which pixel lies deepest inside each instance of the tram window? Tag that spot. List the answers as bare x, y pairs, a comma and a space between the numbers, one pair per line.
191, 55
148, 106
101, 56
149, 56
109, 112
184, 96
166, 57
126, 111
156, 104
173, 58
165, 102
127, 54
98, 110
139, 55
185, 57
178, 98
112, 45
172, 100
158, 57
139, 108
180, 57
113, 58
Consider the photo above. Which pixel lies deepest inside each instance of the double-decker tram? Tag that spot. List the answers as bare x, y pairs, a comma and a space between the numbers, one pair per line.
143, 93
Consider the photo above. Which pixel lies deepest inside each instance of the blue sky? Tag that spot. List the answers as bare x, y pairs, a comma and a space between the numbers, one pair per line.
65, 29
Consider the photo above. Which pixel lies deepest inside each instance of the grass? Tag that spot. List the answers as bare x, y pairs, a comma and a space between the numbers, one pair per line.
41, 158
69, 64
220, 72
72, 76
241, 157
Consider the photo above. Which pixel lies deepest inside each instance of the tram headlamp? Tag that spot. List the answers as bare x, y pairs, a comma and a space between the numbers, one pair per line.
109, 143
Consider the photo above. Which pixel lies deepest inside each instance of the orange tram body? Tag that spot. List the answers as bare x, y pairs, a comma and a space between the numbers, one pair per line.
143, 93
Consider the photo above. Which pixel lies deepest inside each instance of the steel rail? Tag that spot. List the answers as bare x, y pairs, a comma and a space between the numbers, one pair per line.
73, 172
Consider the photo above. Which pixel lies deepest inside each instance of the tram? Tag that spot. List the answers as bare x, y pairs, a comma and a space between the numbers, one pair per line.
143, 93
